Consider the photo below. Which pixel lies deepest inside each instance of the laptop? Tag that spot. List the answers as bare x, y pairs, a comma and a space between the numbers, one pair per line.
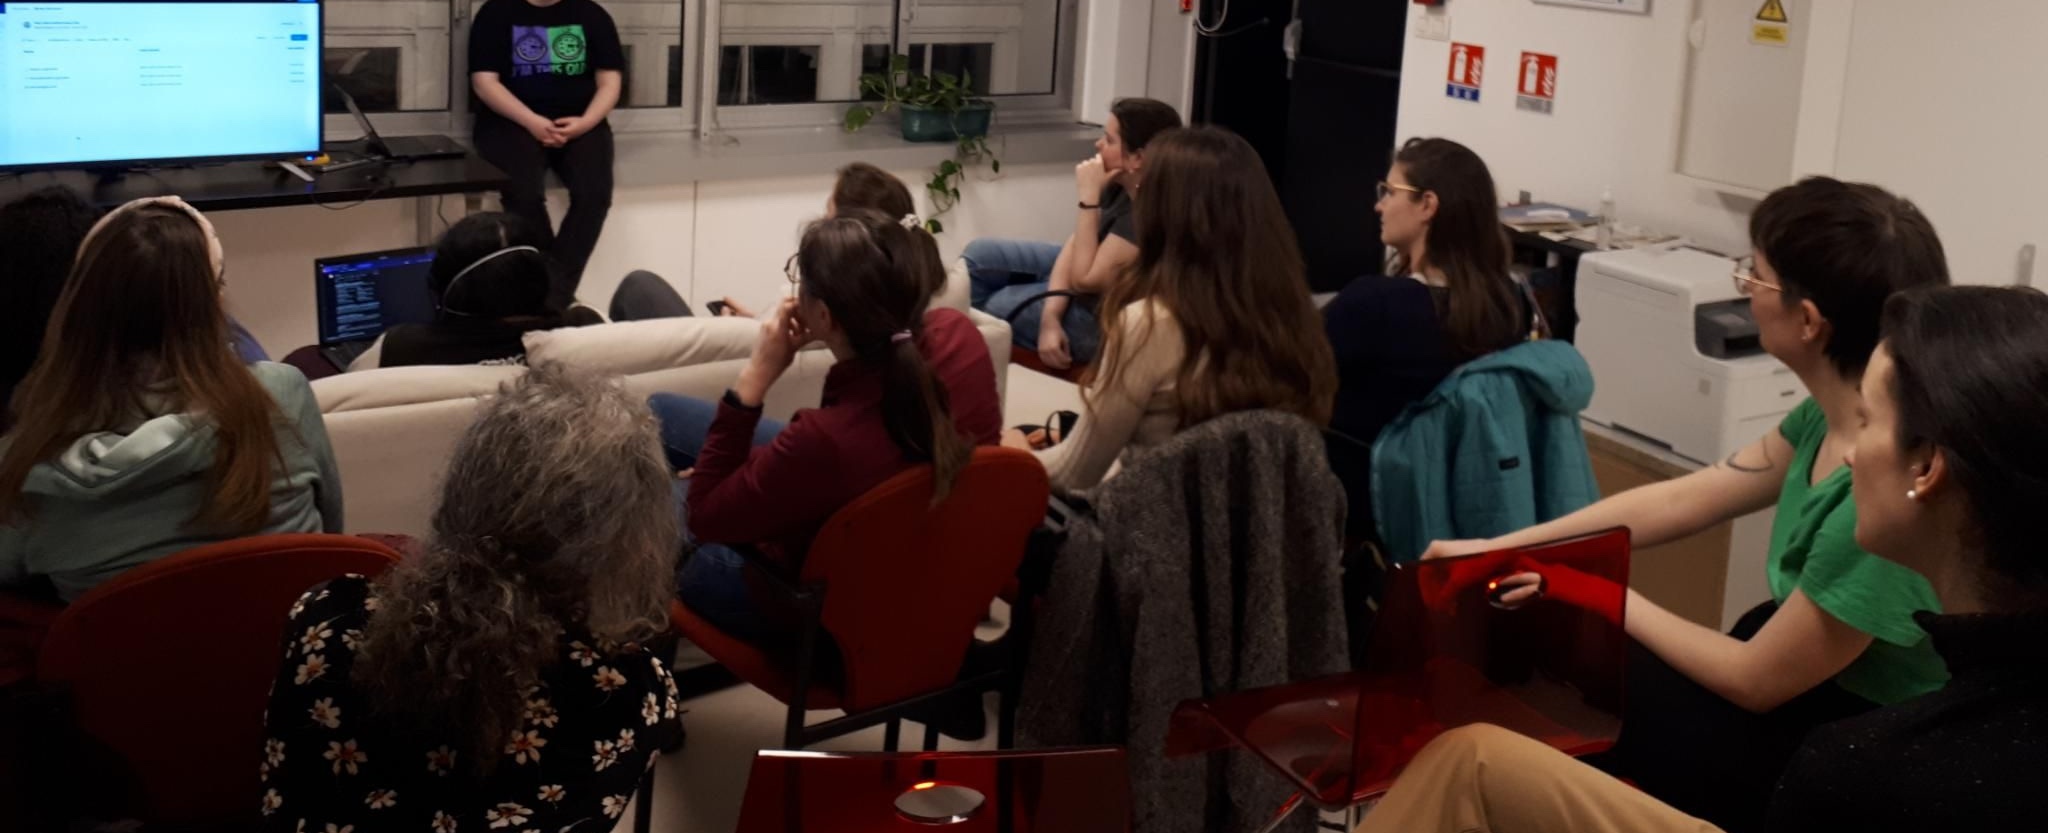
400, 147
360, 296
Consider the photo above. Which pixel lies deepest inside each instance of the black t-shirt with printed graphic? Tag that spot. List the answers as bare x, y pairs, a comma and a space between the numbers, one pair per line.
548, 56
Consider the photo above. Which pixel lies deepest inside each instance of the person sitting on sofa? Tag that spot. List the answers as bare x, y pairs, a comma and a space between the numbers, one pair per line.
1950, 472
1007, 274
1205, 324
499, 677
490, 281
909, 388
140, 433
41, 232
859, 186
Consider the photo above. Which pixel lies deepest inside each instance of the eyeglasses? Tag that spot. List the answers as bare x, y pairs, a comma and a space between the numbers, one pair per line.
1387, 189
1746, 281
789, 271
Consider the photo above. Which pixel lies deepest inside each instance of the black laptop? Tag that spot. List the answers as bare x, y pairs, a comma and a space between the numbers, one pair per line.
361, 296
400, 147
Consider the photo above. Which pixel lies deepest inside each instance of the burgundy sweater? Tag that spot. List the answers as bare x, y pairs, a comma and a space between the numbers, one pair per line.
778, 496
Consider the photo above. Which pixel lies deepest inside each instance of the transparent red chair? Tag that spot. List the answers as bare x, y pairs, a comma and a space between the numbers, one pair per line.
1084, 790
1444, 653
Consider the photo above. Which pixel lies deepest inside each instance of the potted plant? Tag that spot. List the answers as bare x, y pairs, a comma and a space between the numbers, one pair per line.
939, 107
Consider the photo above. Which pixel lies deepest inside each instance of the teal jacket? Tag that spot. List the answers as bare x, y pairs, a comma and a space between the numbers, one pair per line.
123, 497
1495, 448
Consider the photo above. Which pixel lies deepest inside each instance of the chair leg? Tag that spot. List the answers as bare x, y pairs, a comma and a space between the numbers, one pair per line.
892, 738
931, 738
793, 727
1286, 811
1006, 717
643, 808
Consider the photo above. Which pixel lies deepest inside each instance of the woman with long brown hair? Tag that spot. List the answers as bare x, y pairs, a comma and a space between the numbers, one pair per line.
1446, 298
908, 388
498, 678
139, 432
1213, 318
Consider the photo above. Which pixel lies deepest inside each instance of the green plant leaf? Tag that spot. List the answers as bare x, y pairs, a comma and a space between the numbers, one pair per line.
949, 168
995, 165
858, 117
934, 226
899, 64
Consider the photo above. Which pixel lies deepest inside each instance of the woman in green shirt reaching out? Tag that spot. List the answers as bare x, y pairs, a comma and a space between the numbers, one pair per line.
1711, 718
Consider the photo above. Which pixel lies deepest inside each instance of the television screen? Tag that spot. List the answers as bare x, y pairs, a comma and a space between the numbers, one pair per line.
89, 84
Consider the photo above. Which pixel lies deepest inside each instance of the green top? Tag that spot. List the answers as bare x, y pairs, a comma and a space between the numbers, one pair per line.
1813, 548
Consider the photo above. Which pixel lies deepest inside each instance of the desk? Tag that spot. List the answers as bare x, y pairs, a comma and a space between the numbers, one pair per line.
1561, 305
245, 185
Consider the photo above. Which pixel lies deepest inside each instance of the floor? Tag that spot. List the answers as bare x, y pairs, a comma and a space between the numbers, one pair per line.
698, 790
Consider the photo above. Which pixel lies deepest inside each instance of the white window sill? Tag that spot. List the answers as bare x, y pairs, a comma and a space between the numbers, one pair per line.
678, 157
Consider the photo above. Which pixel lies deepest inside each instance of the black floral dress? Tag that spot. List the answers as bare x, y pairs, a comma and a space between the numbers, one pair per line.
591, 728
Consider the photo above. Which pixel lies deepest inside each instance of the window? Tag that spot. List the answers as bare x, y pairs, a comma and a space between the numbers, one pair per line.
391, 55
767, 74
650, 31
792, 51
407, 61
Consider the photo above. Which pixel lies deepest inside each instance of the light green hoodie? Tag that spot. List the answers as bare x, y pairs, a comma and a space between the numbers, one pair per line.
117, 499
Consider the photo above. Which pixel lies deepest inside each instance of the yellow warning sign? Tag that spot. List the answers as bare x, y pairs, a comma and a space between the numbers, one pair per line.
1770, 34
1773, 12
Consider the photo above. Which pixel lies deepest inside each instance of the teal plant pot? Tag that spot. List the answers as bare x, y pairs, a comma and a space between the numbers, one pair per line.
923, 124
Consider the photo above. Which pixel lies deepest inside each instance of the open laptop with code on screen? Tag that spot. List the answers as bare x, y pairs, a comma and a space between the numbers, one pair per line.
360, 296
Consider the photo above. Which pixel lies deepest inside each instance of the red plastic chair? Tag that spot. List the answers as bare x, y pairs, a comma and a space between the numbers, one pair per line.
25, 622
1065, 790
898, 585
169, 664
1444, 655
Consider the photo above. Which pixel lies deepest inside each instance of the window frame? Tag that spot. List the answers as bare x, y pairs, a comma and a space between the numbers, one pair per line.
1030, 108
700, 112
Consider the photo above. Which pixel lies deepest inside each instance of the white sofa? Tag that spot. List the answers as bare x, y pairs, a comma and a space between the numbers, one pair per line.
393, 428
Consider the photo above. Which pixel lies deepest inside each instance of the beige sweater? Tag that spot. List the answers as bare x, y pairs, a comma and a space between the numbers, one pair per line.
1139, 412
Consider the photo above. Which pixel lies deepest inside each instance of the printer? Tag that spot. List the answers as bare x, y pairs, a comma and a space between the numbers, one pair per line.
1674, 352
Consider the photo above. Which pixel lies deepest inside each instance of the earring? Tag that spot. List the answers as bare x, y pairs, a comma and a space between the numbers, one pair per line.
1912, 494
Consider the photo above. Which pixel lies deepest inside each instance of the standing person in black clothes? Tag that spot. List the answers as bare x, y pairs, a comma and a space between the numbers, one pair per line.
547, 73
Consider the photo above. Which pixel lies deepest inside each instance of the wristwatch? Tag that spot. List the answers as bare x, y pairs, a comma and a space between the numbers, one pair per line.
1088, 207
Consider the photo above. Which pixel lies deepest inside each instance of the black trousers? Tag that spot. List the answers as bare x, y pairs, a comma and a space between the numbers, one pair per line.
585, 168
644, 295
1704, 755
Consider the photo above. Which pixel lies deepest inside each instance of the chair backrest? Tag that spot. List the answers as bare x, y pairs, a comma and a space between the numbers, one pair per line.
1496, 447
1444, 655
169, 664
906, 581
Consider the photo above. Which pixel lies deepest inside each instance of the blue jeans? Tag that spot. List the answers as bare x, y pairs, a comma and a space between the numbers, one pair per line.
712, 581
686, 421
1003, 274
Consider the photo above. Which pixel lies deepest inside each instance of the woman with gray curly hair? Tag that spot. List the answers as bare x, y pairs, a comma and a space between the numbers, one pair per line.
497, 679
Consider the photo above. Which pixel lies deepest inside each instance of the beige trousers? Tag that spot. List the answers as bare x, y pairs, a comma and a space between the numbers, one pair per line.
1485, 779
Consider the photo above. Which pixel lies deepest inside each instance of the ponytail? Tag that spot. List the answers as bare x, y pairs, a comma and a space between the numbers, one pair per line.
877, 274
919, 417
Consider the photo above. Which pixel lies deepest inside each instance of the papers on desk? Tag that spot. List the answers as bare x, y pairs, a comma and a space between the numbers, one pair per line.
1625, 237
1543, 216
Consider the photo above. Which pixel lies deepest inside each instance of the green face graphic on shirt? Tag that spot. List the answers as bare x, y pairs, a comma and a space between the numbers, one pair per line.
549, 50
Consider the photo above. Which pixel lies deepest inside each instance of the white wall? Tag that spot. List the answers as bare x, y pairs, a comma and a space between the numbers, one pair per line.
708, 239
1616, 119
1946, 109
1936, 107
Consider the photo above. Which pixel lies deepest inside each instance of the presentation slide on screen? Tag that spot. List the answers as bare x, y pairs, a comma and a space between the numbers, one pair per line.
97, 82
